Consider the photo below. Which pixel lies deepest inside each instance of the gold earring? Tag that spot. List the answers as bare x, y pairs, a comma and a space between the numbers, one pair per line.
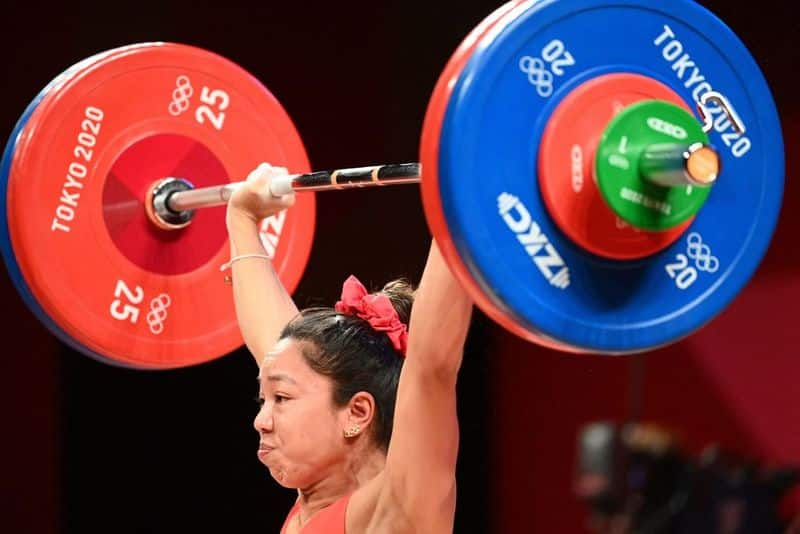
352, 431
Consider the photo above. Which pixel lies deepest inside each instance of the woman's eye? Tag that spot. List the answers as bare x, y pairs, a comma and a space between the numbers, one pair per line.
278, 399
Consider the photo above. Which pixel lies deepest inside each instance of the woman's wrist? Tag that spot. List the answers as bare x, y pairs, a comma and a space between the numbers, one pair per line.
237, 220
243, 232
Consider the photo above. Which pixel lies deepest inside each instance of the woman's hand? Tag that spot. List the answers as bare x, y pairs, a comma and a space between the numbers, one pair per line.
253, 200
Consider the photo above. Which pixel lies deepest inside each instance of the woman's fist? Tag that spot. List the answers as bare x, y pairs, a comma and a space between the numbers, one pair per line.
253, 198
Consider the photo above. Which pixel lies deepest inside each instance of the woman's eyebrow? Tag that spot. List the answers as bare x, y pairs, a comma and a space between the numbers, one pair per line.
278, 377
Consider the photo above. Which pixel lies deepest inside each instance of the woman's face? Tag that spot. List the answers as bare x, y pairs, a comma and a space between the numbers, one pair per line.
301, 432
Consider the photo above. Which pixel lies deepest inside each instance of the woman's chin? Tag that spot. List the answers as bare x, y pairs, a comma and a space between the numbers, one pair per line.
279, 475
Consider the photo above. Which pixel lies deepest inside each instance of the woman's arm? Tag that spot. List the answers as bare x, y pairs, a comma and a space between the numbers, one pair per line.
263, 306
421, 462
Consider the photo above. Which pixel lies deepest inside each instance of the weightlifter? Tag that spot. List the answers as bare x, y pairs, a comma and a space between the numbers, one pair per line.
358, 412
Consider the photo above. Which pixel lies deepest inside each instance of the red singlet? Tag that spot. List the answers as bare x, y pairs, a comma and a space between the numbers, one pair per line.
329, 520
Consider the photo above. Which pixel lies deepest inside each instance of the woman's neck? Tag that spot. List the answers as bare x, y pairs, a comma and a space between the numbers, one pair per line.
357, 471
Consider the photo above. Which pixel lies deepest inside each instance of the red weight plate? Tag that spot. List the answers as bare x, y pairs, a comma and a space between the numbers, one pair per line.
566, 166
8, 253
429, 157
125, 289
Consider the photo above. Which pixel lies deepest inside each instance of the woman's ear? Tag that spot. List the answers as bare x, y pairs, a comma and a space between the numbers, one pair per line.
359, 414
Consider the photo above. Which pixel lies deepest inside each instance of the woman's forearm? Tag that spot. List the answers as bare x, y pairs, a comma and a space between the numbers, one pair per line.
263, 306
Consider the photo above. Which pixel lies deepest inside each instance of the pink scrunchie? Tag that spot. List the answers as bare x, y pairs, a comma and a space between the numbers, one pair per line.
376, 309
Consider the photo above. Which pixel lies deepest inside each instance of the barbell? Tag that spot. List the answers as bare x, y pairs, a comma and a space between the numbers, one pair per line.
601, 177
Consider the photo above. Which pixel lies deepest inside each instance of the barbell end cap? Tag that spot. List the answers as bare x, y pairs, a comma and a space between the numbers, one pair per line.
702, 165
157, 204
679, 165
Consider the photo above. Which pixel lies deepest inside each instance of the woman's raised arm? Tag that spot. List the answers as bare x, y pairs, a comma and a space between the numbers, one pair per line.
421, 461
263, 306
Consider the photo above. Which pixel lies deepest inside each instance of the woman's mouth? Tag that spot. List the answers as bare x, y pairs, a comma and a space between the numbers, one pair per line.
263, 451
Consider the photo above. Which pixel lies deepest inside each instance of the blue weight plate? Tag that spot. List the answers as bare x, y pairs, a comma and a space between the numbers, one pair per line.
488, 178
6, 246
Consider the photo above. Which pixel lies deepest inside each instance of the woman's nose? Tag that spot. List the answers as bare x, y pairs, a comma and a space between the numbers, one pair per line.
263, 419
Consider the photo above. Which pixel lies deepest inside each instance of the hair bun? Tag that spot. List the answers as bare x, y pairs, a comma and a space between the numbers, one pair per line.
401, 293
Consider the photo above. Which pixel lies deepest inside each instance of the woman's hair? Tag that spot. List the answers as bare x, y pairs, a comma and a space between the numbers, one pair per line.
355, 356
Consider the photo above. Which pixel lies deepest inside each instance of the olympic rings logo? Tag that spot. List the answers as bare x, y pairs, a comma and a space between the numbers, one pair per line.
701, 254
538, 75
180, 96
158, 313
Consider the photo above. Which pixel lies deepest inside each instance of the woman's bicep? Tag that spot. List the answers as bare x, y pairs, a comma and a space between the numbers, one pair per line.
421, 461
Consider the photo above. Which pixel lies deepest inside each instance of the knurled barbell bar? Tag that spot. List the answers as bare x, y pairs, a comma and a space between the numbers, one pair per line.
567, 156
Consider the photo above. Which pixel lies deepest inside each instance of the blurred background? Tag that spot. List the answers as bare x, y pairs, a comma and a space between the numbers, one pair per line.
87, 447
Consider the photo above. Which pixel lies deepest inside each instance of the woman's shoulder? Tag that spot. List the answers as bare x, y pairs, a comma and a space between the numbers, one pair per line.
374, 507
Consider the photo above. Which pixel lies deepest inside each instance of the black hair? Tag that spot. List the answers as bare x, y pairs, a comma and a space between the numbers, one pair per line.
355, 356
